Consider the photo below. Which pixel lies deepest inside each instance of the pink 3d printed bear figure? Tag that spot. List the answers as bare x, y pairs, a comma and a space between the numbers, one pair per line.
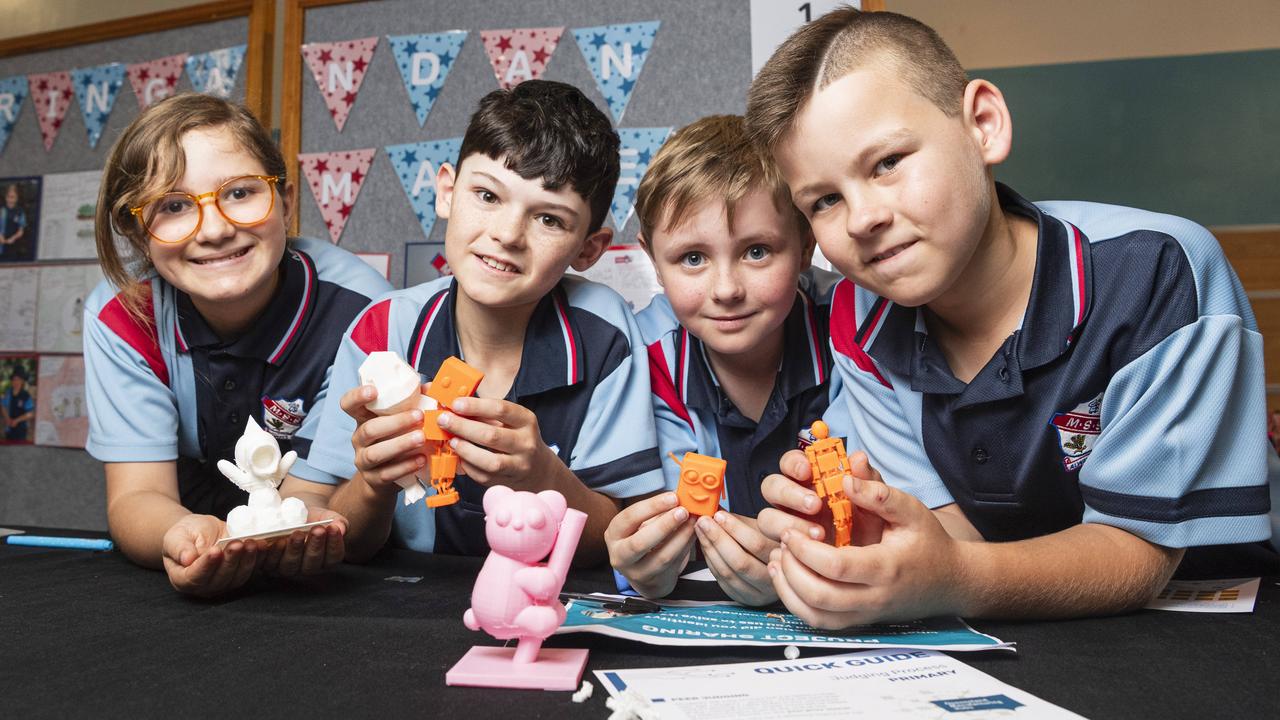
517, 597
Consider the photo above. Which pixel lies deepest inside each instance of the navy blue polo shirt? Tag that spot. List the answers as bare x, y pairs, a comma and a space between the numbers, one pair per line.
693, 413
583, 373
1131, 395
174, 390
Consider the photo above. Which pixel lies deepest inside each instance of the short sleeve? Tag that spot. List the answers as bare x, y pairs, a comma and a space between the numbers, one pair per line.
1181, 457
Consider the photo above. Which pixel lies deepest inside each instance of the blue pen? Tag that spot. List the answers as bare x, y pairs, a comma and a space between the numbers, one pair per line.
70, 543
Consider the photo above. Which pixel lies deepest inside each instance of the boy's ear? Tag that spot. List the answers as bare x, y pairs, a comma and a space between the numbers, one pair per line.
592, 248
987, 117
446, 178
806, 257
648, 250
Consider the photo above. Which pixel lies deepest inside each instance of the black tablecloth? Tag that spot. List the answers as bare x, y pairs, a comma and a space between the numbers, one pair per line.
89, 634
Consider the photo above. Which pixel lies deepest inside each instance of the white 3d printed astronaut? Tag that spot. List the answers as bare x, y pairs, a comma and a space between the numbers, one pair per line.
399, 388
259, 469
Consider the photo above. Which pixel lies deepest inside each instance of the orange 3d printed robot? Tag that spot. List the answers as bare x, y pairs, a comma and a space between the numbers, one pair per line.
454, 380
701, 483
829, 465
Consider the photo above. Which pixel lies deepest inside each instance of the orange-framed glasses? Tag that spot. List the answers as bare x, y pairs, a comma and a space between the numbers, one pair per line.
175, 217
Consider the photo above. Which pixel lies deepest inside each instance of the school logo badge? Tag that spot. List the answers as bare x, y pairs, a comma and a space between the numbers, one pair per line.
281, 417
1078, 428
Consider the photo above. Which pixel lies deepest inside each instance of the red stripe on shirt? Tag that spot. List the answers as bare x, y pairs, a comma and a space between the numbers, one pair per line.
844, 329
137, 334
370, 332
662, 385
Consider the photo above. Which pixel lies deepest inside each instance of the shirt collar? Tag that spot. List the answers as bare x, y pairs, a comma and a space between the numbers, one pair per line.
553, 348
275, 332
800, 370
1061, 290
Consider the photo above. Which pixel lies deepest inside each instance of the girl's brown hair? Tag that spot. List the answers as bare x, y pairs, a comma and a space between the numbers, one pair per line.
147, 161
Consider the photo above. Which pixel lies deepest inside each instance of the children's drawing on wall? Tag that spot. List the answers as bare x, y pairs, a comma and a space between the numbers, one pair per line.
61, 416
18, 319
19, 218
67, 206
17, 397
60, 307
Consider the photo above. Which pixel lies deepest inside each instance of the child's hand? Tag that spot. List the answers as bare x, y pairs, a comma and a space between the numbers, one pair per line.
387, 448
194, 563
649, 543
799, 509
498, 443
911, 572
738, 554
311, 551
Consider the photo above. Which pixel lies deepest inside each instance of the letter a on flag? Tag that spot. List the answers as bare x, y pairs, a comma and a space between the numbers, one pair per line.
52, 95
416, 165
339, 69
335, 179
520, 54
424, 62
214, 72
615, 54
96, 90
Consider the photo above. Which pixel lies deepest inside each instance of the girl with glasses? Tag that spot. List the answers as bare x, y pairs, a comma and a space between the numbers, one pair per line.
210, 317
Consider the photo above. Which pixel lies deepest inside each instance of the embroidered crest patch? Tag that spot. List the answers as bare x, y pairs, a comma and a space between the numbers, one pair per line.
1078, 428
281, 417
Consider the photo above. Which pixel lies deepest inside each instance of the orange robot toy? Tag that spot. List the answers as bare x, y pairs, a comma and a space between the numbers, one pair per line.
454, 380
701, 483
829, 465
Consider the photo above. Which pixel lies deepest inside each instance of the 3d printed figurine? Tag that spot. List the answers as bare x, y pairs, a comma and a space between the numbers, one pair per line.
259, 470
399, 389
829, 465
516, 597
455, 379
701, 483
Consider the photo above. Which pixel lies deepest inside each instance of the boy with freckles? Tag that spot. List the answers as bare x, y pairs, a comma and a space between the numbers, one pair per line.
737, 348
1049, 407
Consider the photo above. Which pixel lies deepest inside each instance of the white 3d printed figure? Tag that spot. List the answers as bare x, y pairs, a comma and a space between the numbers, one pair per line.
399, 388
259, 469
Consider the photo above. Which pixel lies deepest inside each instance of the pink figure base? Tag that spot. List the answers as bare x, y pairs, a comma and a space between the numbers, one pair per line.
554, 669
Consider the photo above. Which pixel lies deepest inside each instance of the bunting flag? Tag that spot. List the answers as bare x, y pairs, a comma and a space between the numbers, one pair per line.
339, 68
416, 165
214, 72
96, 89
520, 54
615, 54
335, 179
13, 91
638, 147
424, 62
51, 93
155, 80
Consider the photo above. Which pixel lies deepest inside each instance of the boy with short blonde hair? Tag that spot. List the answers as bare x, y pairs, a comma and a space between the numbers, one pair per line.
737, 351
1079, 384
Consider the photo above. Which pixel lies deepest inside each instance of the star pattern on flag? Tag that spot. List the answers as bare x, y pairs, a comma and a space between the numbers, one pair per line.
519, 54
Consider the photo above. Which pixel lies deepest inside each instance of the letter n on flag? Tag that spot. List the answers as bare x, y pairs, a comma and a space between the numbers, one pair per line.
339, 68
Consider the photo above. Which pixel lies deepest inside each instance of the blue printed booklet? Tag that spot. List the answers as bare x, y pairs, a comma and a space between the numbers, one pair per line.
696, 623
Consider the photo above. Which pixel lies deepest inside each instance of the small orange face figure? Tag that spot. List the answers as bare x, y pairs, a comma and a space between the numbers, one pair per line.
701, 483
454, 380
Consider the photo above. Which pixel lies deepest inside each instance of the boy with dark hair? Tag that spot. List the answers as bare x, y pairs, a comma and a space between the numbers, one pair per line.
564, 404
1077, 385
18, 407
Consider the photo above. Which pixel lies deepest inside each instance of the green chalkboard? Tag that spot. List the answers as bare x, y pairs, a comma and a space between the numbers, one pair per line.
1197, 136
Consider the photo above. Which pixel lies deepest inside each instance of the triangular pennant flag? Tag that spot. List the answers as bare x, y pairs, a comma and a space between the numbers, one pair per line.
335, 179
424, 62
520, 54
615, 54
52, 94
214, 72
339, 68
416, 165
96, 89
155, 80
13, 91
637, 149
